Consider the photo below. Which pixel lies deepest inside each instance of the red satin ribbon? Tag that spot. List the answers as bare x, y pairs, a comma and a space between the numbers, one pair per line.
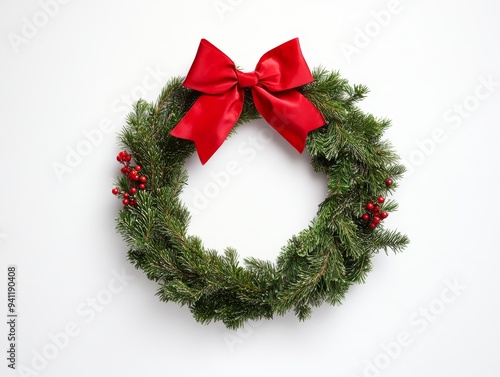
216, 111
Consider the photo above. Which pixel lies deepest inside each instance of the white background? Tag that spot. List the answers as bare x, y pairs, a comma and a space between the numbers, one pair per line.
83, 65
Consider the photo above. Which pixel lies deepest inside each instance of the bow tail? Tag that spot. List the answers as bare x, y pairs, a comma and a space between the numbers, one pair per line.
291, 114
208, 122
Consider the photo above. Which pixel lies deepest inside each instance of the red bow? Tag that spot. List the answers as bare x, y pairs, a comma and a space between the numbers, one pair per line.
216, 111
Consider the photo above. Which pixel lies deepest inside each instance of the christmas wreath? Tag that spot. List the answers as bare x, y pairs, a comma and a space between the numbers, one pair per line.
316, 111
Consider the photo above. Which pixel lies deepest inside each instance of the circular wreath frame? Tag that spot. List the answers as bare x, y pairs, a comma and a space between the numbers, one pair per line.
316, 265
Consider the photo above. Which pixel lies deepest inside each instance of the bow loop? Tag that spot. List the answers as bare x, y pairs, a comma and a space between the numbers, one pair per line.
212, 71
284, 67
272, 84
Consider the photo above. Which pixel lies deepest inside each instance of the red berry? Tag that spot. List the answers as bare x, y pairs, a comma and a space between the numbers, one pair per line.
118, 158
380, 199
138, 168
115, 191
122, 154
125, 202
388, 182
370, 206
366, 217
124, 170
133, 203
143, 179
377, 220
128, 158
142, 186
376, 208
384, 215
126, 195
373, 225
133, 190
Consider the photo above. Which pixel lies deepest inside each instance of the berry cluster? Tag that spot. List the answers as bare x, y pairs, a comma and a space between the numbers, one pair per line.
375, 215
137, 181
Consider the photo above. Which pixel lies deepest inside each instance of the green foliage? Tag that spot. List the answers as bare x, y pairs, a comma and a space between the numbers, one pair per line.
317, 265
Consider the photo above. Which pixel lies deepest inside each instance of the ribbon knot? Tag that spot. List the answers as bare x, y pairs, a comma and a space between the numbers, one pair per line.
247, 79
273, 86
